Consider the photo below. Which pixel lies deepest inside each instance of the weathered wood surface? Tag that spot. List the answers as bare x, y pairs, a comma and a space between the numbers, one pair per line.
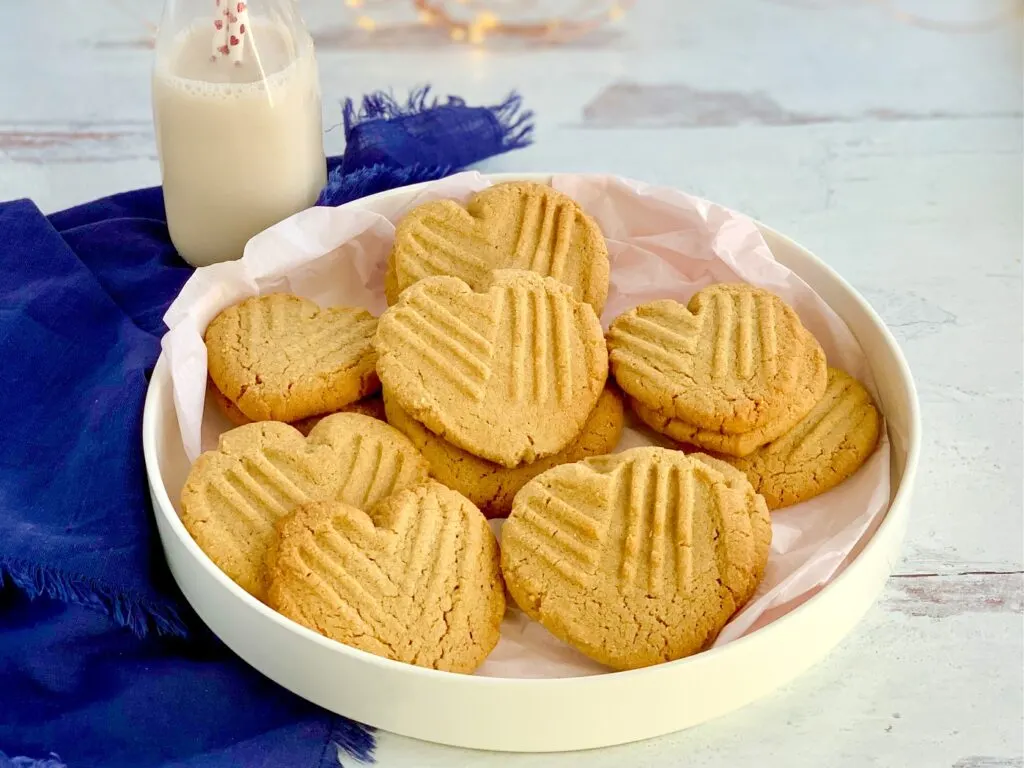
890, 149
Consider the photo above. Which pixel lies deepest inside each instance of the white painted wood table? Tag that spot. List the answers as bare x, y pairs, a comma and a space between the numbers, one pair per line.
889, 145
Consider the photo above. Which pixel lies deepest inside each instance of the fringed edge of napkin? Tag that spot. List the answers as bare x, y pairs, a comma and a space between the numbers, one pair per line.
512, 127
348, 739
345, 187
140, 615
516, 123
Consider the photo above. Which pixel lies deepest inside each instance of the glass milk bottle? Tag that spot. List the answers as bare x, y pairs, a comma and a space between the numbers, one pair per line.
236, 109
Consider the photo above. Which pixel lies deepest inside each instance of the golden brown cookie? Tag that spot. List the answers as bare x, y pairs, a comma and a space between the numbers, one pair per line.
828, 445
372, 406
491, 486
735, 359
262, 471
707, 439
515, 225
282, 358
416, 579
636, 558
510, 375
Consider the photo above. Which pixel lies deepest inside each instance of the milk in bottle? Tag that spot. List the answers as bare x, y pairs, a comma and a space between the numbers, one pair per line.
236, 109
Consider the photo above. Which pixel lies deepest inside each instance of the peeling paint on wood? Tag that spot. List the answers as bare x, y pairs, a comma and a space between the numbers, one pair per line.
15, 140
939, 597
678, 105
41, 144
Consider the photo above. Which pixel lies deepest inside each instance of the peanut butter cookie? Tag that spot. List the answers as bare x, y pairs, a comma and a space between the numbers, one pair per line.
516, 225
491, 486
828, 445
510, 375
416, 579
708, 439
636, 558
282, 358
369, 406
734, 360
262, 471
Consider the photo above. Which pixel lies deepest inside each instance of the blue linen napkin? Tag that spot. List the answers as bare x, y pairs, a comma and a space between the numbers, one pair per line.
102, 663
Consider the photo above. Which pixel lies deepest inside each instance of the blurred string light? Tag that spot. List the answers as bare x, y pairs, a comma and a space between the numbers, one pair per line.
473, 21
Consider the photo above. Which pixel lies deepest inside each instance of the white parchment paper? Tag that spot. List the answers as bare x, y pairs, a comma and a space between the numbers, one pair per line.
662, 244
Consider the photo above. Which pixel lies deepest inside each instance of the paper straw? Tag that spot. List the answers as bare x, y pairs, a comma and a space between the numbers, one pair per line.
238, 26
220, 30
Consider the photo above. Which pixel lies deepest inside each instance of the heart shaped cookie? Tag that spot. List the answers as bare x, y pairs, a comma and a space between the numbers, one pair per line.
509, 375
828, 445
638, 557
262, 471
516, 225
415, 580
735, 359
282, 358
491, 486
742, 444
368, 406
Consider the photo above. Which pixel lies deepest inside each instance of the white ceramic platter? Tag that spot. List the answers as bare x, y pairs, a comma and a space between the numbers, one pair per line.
533, 715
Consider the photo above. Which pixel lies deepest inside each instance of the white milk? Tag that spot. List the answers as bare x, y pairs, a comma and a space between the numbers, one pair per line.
241, 146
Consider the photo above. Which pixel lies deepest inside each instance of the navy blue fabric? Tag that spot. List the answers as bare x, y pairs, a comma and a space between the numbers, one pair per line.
385, 132
102, 663
74, 686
